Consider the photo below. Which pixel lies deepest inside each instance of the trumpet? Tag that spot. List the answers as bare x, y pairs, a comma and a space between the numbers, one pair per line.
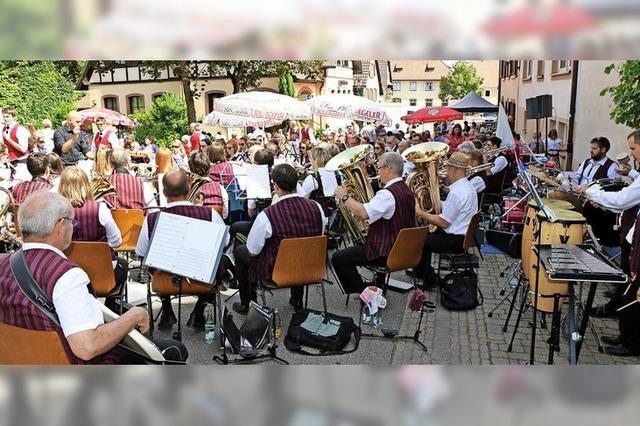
478, 169
489, 152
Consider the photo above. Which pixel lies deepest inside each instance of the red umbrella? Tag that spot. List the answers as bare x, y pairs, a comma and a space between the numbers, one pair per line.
112, 117
432, 114
555, 20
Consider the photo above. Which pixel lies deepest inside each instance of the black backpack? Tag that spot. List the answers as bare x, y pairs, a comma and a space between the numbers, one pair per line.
328, 333
459, 291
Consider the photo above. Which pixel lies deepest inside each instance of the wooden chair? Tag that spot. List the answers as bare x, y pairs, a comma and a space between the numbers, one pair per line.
95, 259
218, 209
130, 222
405, 254
21, 346
164, 284
300, 262
469, 242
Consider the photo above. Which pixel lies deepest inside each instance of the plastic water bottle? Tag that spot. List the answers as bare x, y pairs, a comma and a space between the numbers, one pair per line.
209, 328
376, 319
366, 316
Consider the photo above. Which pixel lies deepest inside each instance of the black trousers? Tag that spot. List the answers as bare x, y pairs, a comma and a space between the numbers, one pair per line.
120, 274
629, 319
616, 301
248, 289
439, 242
345, 263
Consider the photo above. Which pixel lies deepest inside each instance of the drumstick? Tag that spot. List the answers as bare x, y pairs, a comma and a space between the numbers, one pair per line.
627, 305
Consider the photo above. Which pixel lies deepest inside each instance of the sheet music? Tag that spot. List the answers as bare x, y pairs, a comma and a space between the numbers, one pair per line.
329, 182
186, 247
241, 175
163, 199
258, 183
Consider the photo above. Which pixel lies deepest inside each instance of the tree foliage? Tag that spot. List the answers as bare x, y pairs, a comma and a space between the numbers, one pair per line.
461, 80
286, 86
166, 120
626, 94
37, 90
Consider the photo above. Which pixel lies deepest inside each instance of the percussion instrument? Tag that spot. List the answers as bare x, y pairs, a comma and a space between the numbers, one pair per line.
567, 229
513, 219
542, 176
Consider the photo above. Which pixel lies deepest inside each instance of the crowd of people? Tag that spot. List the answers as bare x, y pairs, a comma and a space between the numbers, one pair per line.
64, 202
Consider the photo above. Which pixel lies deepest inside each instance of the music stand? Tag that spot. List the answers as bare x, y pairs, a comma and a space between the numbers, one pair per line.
186, 248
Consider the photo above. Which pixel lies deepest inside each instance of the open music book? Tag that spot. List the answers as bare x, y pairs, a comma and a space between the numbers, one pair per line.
186, 247
253, 178
329, 182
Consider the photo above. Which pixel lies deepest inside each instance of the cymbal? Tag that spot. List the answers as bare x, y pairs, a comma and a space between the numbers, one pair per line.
553, 204
537, 173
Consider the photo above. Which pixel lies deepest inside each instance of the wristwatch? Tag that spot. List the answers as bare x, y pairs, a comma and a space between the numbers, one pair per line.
344, 198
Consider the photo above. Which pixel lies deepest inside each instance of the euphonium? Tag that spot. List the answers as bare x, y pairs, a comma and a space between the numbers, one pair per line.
101, 187
356, 181
424, 181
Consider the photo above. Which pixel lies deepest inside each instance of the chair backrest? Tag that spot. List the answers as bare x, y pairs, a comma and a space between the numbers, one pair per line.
218, 209
95, 259
15, 220
407, 249
24, 346
300, 261
469, 240
163, 285
130, 222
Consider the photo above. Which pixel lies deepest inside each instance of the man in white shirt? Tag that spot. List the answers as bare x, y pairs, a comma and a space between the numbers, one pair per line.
496, 175
599, 166
46, 222
292, 216
457, 210
554, 145
104, 136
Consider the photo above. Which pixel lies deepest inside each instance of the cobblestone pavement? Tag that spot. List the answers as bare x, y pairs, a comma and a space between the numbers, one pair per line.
456, 338
473, 338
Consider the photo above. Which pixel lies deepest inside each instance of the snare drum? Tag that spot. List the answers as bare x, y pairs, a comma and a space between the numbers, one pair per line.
567, 229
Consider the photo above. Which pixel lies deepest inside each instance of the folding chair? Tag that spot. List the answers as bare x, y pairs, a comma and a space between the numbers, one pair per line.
166, 284
129, 222
469, 242
95, 259
21, 346
300, 262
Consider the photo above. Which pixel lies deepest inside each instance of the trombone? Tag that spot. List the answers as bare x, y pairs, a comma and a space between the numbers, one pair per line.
478, 169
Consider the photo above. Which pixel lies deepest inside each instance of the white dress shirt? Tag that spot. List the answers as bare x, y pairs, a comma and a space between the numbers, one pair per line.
478, 184
114, 237
143, 239
459, 207
617, 202
553, 146
77, 309
382, 205
633, 174
499, 164
48, 139
588, 169
309, 185
262, 230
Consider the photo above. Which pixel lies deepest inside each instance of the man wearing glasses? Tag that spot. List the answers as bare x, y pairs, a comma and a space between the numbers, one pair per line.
46, 222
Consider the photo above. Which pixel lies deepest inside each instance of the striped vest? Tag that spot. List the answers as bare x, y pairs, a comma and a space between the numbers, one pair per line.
90, 228
294, 217
221, 172
212, 192
104, 140
47, 267
23, 189
383, 232
129, 191
14, 154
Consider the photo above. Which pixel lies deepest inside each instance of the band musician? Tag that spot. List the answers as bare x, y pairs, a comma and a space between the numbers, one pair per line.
457, 210
389, 211
131, 191
38, 167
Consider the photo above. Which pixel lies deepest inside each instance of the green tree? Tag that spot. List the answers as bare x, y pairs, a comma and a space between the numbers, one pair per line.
37, 90
461, 80
166, 120
286, 86
626, 94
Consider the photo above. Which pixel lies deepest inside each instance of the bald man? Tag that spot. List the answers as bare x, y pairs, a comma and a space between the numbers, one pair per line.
70, 143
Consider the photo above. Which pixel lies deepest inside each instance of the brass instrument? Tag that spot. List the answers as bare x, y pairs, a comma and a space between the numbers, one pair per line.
424, 181
101, 188
477, 169
8, 234
196, 182
486, 152
356, 181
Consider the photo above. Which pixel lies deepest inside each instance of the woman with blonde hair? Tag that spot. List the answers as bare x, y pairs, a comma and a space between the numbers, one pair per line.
312, 185
93, 221
102, 165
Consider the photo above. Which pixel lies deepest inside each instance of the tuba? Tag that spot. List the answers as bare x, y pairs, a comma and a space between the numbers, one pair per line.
101, 188
355, 179
424, 182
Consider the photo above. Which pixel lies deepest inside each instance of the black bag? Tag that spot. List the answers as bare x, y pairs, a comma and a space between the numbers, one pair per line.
460, 291
329, 333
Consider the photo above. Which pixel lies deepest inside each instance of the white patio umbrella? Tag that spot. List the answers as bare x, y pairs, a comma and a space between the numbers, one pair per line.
262, 106
216, 118
349, 107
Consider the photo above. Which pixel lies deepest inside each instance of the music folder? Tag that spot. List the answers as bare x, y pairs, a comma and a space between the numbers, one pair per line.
186, 247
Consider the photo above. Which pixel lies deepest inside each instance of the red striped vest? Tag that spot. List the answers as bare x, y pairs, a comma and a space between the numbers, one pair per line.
23, 189
221, 172
129, 191
294, 217
47, 267
212, 192
14, 154
383, 232
104, 140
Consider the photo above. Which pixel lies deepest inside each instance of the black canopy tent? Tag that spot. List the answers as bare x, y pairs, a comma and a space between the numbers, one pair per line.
474, 103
